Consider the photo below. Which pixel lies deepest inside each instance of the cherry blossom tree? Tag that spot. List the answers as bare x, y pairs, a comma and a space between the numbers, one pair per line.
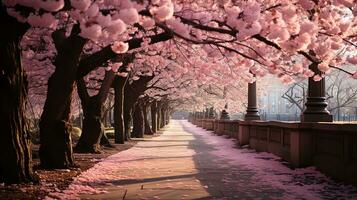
232, 39
82, 23
16, 161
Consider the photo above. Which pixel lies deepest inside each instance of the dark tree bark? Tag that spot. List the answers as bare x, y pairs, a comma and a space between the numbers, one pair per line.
138, 121
104, 141
129, 102
163, 118
55, 129
93, 111
131, 96
93, 127
154, 119
119, 126
159, 117
147, 128
15, 151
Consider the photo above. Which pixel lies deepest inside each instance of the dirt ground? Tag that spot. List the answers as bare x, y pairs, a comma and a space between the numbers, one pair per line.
57, 180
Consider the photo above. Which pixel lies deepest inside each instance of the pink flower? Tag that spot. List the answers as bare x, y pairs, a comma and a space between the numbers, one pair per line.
120, 47
52, 6
116, 66
129, 16
297, 68
163, 12
324, 67
93, 10
308, 73
92, 32
306, 4
81, 5
117, 27
45, 20
317, 78
286, 79
352, 60
147, 23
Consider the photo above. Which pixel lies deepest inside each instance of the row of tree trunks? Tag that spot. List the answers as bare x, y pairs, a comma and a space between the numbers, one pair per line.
15, 151
132, 93
55, 129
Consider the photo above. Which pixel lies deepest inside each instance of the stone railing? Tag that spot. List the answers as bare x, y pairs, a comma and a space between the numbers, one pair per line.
331, 147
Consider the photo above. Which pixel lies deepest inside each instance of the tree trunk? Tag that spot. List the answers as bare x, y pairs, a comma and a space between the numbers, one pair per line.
159, 118
127, 120
15, 151
138, 121
147, 130
131, 96
154, 116
93, 127
93, 110
162, 115
119, 126
55, 129
104, 141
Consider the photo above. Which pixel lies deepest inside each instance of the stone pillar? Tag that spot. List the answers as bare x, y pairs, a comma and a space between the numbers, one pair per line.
224, 114
211, 113
316, 104
252, 109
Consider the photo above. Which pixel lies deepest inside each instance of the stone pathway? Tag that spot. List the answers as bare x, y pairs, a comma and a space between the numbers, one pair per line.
187, 162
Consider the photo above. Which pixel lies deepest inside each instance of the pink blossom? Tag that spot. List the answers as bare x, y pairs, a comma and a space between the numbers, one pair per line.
347, 3
279, 33
164, 12
92, 32
120, 47
297, 68
45, 20
306, 4
52, 5
324, 67
115, 67
323, 48
129, 16
344, 27
178, 27
289, 13
81, 5
93, 10
251, 12
117, 27
104, 20
13, 13
147, 23
303, 41
352, 59
308, 27
122, 74
308, 73
317, 77
10, 3
286, 79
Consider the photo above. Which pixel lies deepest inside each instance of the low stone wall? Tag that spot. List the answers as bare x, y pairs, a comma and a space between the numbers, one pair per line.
331, 147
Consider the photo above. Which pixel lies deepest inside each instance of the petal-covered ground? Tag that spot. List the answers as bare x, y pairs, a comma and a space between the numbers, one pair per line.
187, 162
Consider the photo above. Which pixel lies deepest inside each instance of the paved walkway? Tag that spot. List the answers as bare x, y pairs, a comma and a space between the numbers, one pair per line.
187, 162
